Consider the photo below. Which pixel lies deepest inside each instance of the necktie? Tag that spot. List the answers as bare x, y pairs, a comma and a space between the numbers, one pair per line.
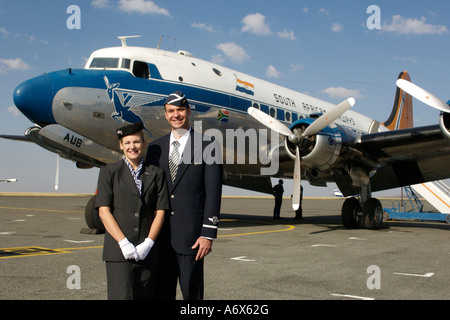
173, 160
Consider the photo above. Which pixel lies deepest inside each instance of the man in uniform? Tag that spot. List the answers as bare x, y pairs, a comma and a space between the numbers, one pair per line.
278, 194
195, 188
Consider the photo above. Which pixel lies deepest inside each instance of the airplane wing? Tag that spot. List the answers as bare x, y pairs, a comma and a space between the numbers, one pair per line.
402, 157
254, 183
14, 137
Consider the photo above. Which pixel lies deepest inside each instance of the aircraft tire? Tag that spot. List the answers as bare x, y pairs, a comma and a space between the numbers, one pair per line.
92, 218
373, 214
349, 213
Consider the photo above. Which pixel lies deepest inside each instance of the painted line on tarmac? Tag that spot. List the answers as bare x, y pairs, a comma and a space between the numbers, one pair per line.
17, 252
44, 210
32, 251
351, 296
288, 228
426, 275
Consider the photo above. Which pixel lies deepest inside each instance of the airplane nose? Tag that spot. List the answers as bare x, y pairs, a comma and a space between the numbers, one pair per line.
34, 99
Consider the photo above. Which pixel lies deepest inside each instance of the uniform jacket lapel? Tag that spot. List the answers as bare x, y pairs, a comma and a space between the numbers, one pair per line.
147, 176
128, 178
190, 154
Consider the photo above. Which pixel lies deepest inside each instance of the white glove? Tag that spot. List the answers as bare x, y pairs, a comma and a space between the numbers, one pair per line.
144, 248
128, 249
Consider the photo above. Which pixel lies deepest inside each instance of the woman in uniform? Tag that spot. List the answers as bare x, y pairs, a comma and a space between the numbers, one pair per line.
131, 198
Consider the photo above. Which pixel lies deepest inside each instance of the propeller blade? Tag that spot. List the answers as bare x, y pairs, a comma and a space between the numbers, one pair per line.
328, 117
422, 95
269, 122
297, 181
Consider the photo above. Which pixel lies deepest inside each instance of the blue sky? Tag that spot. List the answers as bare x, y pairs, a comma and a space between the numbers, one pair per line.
322, 48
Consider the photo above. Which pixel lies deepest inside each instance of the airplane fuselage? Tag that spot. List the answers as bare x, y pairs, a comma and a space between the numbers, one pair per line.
80, 109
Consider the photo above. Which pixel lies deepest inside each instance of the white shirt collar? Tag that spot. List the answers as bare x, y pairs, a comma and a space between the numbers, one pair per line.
183, 141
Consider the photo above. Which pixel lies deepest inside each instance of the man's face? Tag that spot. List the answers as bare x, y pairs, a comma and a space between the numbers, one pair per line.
178, 117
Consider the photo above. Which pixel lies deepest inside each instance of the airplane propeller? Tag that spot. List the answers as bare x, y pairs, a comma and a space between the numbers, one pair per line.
296, 138
423, 95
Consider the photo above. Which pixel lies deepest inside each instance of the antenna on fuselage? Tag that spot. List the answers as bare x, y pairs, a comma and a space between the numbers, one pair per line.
159, 43
123, 39
160, 40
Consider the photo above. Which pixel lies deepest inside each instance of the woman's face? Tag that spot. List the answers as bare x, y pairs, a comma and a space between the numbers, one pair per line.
132, 146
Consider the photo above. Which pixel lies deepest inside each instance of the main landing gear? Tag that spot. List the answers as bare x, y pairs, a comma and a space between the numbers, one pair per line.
369, 215
93, 221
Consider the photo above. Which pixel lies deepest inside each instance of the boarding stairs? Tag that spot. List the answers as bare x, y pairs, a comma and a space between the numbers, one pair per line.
436, 193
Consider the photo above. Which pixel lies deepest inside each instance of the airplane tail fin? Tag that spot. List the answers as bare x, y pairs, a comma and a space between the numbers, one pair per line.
402, 113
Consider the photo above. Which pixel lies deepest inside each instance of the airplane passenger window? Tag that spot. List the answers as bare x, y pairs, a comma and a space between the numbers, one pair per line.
288, 117
272, 112
140, 70
105, 63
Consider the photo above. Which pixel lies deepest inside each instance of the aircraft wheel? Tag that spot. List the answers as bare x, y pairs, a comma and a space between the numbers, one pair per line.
92, 218
349, 214
373, 214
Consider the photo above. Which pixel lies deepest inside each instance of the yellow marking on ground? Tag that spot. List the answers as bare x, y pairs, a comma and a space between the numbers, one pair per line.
45, 210
28, 252
289, 227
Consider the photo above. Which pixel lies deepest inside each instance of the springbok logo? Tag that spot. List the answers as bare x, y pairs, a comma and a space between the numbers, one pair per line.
124, 100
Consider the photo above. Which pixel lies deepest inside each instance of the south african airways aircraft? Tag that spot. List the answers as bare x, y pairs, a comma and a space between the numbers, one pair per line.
77, 111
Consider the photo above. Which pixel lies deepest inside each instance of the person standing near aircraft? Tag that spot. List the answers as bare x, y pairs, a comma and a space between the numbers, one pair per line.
195, 187
278, 194
132, 198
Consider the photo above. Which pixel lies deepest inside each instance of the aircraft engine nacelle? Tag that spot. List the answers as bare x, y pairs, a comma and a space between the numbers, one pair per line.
318, 152
444, 123
72, 146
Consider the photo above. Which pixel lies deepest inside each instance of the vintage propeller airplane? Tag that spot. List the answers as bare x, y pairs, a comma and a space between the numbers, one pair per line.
76, 112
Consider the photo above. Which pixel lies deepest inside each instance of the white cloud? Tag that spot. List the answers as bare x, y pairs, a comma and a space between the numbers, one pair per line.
233, 51
297, 67
287, 35
256, 24
324, 11
407, 59
142, 6
100, 3
336, 27
13, 64
340, 92
14, 111
272, 72
4, 31
412, 26
203, 26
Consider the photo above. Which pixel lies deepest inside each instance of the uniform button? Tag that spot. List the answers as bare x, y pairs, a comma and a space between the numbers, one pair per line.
136, 229
172, 213
136, 214
172, 196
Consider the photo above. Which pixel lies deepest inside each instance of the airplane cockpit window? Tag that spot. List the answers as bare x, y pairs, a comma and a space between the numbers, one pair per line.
126, 63
105, 63
140, 70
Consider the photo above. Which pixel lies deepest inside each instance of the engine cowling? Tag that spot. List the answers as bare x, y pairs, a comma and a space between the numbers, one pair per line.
72, 146
444, 123
318, 152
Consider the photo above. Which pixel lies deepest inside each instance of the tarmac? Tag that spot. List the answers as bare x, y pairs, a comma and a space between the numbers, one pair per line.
43, 255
